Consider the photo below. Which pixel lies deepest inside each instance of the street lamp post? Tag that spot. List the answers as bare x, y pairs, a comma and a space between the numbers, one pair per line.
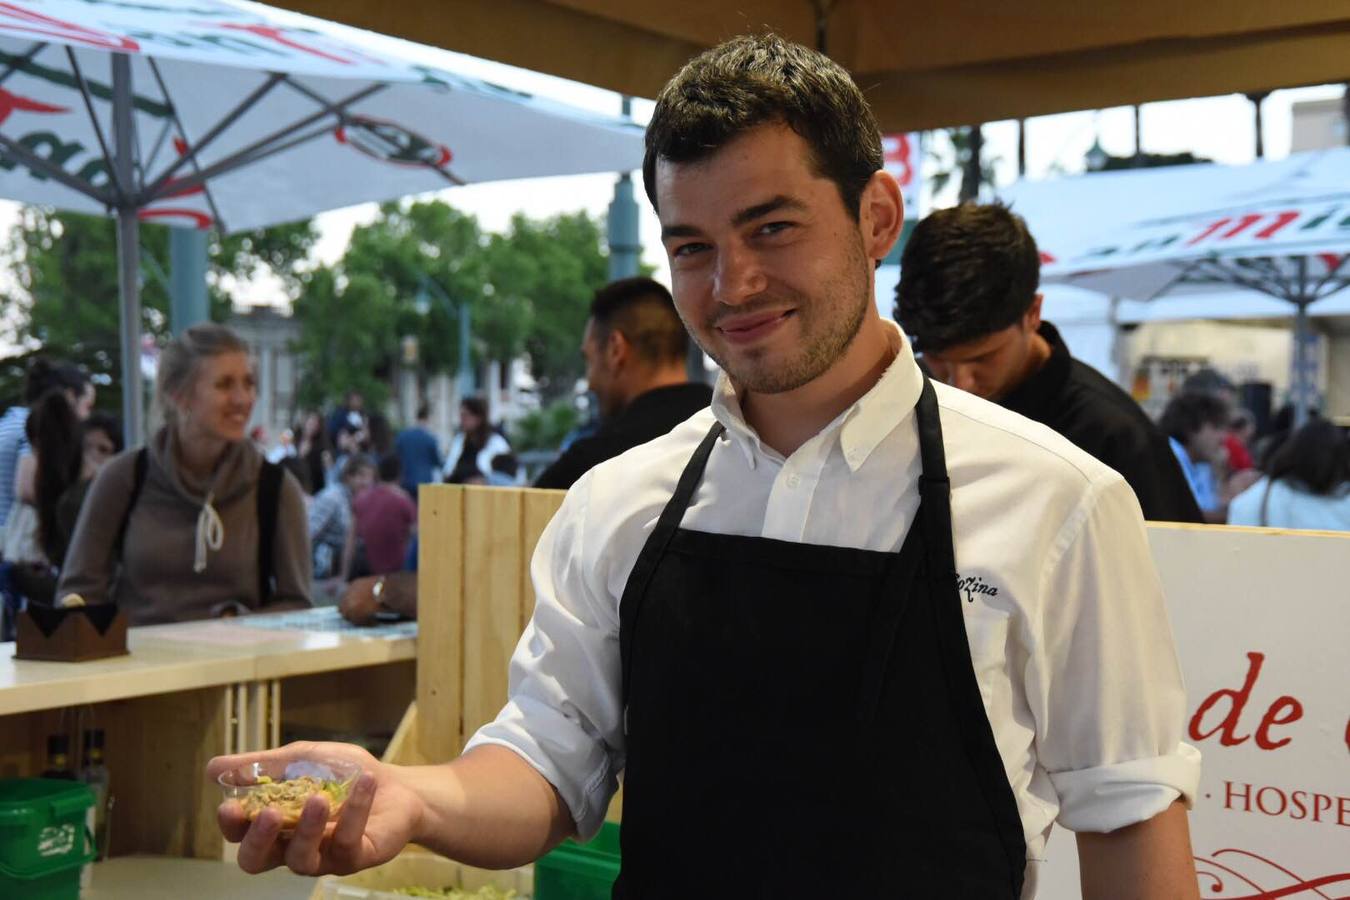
460, 311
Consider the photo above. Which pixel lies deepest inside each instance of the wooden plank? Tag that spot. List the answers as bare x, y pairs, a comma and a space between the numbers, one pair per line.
493, 597
403, 749
157, 749
540, 507
365, 702
440, 615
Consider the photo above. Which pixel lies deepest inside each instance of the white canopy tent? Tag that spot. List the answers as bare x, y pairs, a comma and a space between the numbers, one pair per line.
232, 115
1235, 238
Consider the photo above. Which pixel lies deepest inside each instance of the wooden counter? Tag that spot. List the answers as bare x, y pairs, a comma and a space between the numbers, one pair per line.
194, 690
188, 656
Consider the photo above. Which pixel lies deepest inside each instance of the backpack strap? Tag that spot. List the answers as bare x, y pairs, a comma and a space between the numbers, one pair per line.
270, 476
137, 484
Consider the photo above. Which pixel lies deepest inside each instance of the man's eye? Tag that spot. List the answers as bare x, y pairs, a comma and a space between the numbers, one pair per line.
688, 249
774, 227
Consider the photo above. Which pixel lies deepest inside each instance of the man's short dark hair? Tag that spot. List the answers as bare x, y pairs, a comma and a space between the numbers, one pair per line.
390, 467
355, 464
643, 311
1188, 413
966, 272
759, 80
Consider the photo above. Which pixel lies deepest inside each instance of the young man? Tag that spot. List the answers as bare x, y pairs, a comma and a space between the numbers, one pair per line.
384, 518
635, 349
418, 453
759, 618
967, 296
1196, 426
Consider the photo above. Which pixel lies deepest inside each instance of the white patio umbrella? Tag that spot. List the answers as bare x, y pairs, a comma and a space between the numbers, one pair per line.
232, 115
1279, 229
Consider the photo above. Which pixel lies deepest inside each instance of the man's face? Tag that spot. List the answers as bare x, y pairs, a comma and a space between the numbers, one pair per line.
599, 374
1207, 444
768, 269
360, 480
991, 366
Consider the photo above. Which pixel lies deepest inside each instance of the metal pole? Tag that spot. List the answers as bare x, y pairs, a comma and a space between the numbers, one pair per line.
128, 252
465, 377
1302, 387
1302, 336
187, 279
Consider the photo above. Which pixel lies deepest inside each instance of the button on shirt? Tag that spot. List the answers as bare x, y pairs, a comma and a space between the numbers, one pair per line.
1068, 631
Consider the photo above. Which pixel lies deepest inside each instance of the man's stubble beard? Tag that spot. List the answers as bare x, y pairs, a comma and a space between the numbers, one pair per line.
821, 350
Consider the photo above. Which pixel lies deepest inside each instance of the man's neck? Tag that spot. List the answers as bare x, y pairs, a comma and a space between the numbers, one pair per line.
789, 419
1038, 354
668, 376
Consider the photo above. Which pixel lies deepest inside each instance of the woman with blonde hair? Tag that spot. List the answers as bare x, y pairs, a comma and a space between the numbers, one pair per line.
198, 524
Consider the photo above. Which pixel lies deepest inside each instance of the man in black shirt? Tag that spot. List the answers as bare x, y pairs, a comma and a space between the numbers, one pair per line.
635, 348
968, 298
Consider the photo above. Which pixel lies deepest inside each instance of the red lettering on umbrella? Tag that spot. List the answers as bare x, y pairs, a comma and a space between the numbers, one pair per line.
10, 103
1243, 224
45, 26
1281, 220
1207, 232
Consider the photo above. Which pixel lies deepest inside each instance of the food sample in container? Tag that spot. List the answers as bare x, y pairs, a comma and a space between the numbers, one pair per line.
286, 786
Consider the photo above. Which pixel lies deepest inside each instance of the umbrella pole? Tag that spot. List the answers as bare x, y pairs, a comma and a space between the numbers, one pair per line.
128, 251
1302, 385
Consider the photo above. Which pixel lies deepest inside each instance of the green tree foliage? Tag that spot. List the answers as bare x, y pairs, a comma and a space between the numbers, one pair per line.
554, 266
527, 291
344, 339
65, 269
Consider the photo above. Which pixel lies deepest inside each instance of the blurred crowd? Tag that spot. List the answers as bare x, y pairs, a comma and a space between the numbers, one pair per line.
206, 520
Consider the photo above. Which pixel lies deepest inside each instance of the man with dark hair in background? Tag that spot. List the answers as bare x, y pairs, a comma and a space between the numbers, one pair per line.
1196, 426
968, 298
635, 348
384, 518
419, 453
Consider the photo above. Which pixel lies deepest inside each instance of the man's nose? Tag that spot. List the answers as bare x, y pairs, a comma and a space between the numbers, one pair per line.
739, 276
962, 377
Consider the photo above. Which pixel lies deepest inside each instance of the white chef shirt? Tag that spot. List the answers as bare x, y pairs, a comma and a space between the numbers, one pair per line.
1068, 632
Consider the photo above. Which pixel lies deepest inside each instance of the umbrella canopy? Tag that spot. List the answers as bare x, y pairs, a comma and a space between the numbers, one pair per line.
231, 115
1279, 229
922, 65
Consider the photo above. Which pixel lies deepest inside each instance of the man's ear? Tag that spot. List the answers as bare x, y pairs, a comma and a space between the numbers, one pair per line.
617, 349
881, 215
1031, 319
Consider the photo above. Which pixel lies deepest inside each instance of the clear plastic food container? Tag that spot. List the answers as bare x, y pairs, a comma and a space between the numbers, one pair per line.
286, 784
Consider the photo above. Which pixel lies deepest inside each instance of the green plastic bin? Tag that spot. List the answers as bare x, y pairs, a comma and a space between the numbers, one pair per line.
43, 838
575, 871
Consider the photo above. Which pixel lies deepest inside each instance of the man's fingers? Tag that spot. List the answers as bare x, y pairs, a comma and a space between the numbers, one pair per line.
233, 823
260, 849
302, 851
348, 839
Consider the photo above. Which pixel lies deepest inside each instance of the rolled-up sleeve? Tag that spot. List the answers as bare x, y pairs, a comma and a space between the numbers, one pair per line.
563, 716
1104, 683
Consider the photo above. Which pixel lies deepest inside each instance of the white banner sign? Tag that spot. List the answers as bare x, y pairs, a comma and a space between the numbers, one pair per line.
1261, 623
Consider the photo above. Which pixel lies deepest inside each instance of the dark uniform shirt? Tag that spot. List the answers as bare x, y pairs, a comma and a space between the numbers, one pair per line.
649, 416
1087, 408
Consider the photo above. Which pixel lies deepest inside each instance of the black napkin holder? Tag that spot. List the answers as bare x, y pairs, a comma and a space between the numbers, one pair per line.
71, 634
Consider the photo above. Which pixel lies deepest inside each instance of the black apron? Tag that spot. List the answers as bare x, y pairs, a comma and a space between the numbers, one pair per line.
805, 720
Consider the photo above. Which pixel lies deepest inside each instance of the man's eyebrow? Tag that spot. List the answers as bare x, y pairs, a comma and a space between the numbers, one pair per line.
759, 210
742, 217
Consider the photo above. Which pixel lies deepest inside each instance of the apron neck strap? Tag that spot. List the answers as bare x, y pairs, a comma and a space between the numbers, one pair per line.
935, 509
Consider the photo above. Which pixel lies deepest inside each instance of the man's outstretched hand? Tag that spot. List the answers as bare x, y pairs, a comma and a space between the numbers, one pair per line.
377, 820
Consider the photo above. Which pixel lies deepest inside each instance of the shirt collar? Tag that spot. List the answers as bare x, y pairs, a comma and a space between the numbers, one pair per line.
860, 428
